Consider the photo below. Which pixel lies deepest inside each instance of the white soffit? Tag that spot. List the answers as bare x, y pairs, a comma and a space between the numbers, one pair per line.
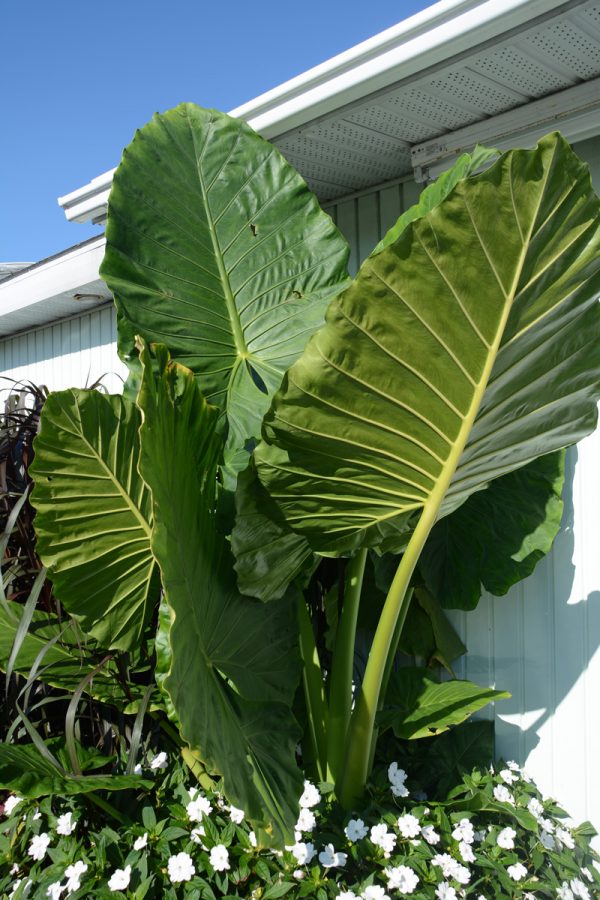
353, 121
61, 285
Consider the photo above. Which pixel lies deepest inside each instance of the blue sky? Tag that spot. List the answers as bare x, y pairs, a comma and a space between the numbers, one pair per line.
78, 78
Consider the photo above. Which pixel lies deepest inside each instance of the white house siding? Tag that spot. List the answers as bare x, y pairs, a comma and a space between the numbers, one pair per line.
541, 641
73, 352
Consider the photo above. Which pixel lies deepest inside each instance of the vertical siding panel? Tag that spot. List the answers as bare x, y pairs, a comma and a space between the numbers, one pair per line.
368, 219
390, 207
347, 222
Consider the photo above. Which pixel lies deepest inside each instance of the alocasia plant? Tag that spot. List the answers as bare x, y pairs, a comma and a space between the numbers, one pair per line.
438, 395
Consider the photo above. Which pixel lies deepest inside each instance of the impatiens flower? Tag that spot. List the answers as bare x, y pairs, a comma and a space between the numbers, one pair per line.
25, 890
587, 873
429, 834
303, 852
310, 795
564, 892
347, 895
160, 761
409, 826
547, 825
445, 892
306, 820
451, 868
236, 815
383, 838
506, 838
564, 837
197, 834
466, 852
547, 840
137, 769
397, 777
36, 815
517, 872
197, 808
402, 878
219, 857
535, 807
119, 880
503, 795
579, 889
38, 846
55, 890
252, 839
464, 831
73, 874
330, 858
141, 842
65, 824
356, 830
508, 777
180, 868
461, 874
10, 803
374, 892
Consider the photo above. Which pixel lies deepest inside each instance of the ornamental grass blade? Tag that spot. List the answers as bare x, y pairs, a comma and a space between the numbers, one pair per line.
93, 512
234, 663
462, 351
216, 247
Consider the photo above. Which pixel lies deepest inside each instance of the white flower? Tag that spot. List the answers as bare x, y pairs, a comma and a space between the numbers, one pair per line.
547, 825
196, 835
65, 824
564, 837
180, 868
464, 831
252, 839
219, 858
547, 840
137, 769
298, 874
14, 870
564, 892
503, 795
38, 846
445, 892
506, 838
330, 858
383, 838
461, 874
517, 872
197, 808
466, 851
73, 874
119, 880
356, 830
236, 815
451, 868
579, 889
374, 892
402, 878
513, 765
509, 777
310, 795
409, 825
10, 803
430, 834
192, 792
535, 807
36, 815
141, 842
55, 890
25, 890
397, 777
160, 761
306, 820
347, 895
587, 873
303, 852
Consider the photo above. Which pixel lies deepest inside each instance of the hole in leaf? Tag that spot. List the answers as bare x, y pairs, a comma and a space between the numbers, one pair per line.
257, 379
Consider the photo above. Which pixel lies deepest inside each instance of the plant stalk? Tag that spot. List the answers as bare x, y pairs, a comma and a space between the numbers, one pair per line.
314, 693
340, 692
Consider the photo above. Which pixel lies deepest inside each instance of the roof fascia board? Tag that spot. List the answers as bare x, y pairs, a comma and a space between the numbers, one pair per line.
428, 38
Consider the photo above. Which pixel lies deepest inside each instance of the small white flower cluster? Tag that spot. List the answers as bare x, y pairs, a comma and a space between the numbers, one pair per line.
397, 777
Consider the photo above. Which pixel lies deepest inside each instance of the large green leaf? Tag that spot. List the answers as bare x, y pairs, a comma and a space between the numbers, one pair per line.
216, 248
234, 661
93, 512
463, 350
25, 771
497, 536
417, 705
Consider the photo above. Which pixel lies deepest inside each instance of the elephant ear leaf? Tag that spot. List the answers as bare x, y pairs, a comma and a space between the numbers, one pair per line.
234, 661
465, 349
497, 536
93, 514
216, 247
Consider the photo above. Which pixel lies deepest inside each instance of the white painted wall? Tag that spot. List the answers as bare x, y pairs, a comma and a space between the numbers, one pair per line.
541, 641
